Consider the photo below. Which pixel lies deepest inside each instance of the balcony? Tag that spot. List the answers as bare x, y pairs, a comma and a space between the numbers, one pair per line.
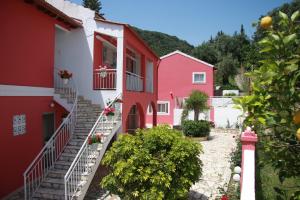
105, 83
134, 82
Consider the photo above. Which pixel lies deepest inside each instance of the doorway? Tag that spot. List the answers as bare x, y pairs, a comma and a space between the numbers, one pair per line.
48, 126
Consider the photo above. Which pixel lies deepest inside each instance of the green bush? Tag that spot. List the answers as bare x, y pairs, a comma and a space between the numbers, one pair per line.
196, 128
154, 164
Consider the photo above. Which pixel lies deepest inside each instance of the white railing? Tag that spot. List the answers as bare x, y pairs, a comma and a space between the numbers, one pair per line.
45, 160
105, 83
134, 82
83, 162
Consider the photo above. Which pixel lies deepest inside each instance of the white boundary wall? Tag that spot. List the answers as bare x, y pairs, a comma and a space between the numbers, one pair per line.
225, 115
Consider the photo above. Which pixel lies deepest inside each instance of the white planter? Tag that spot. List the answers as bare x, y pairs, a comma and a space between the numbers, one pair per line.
66, 81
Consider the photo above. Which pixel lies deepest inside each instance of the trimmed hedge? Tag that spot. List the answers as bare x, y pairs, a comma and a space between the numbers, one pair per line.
199, 128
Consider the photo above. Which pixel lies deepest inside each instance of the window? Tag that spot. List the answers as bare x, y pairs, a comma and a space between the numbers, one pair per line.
163, 107
199, 77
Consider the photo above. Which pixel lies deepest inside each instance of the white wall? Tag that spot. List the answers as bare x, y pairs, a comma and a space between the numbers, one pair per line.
178, 113
225, 115
74, 50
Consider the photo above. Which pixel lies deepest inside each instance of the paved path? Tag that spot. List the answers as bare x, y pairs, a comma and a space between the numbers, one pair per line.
216, 164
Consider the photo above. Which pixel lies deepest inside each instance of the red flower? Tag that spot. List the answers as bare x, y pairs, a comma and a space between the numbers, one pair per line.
224, 197
90, 141
109, 111
98, 137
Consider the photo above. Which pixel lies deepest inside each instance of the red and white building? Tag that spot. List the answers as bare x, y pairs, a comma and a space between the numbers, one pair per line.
39, 37
178, 75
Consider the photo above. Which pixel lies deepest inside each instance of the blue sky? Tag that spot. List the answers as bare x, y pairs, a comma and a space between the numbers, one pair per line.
192, 20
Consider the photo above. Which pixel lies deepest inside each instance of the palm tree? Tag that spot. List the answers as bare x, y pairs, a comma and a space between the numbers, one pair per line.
197, 102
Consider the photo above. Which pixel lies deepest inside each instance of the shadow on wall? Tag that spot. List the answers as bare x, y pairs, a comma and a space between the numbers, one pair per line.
73, 51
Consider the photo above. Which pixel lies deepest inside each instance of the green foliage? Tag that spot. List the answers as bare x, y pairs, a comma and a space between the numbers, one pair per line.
275, 96
196, 128
287, 8
93, 5
226, 52
154, 164
236, 156
162, 43
197, 102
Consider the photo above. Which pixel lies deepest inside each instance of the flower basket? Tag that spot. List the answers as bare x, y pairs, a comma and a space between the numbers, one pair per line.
65, 75
109, 111
95, 138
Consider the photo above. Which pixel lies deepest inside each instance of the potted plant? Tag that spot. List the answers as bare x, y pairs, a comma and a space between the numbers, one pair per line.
65, 75
109, 112
95, 138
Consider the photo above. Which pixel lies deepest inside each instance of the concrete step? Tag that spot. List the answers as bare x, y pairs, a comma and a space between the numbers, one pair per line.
67, 156
62, 165
72, 149
75, 142
53, 183
49, 193
57, 173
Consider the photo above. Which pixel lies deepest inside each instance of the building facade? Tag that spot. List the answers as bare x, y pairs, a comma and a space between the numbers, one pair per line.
178, 75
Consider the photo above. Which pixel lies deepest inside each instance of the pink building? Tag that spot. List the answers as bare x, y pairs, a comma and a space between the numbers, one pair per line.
46, 120
178, 75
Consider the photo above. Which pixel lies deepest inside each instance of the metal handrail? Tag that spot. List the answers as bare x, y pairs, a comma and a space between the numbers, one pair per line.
82, 158
45, 160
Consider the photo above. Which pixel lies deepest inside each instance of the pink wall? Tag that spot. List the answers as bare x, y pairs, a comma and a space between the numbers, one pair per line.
142, 98
27, 45
175, 75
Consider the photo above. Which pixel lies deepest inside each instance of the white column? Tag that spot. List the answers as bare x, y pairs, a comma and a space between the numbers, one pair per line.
120, 52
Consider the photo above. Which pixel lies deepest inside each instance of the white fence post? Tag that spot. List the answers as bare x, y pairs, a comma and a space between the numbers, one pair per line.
248, 139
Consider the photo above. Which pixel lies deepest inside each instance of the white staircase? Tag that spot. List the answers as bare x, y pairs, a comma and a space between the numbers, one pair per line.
66, 165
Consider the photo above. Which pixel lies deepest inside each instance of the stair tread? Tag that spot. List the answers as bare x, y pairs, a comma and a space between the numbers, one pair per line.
50, 191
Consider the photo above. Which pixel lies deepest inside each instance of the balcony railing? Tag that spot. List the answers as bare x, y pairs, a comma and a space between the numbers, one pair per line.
134, 82
105, 83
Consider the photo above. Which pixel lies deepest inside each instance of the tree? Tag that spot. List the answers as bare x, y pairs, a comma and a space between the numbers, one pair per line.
93, 5
154, 164
273, 104
197, 102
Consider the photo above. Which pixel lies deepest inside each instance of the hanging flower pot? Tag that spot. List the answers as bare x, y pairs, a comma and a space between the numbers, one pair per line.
65, 75
66, 81
103, 71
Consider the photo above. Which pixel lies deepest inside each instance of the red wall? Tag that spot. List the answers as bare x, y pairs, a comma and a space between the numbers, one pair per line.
142, 98
175, 75
17, 152
27, 58
27, 45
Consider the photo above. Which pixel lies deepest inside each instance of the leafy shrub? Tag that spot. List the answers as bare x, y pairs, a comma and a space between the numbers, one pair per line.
154, 164
196, 128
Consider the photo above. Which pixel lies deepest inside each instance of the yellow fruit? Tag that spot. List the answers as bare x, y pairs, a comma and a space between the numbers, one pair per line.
266, 22
298, 134
296, 117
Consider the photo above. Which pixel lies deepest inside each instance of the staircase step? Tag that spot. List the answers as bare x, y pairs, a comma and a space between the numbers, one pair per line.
72, 149
54, 183
47, 193
57, 173
62, 165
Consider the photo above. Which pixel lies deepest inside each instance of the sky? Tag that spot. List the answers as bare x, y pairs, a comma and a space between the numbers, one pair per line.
192, 20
